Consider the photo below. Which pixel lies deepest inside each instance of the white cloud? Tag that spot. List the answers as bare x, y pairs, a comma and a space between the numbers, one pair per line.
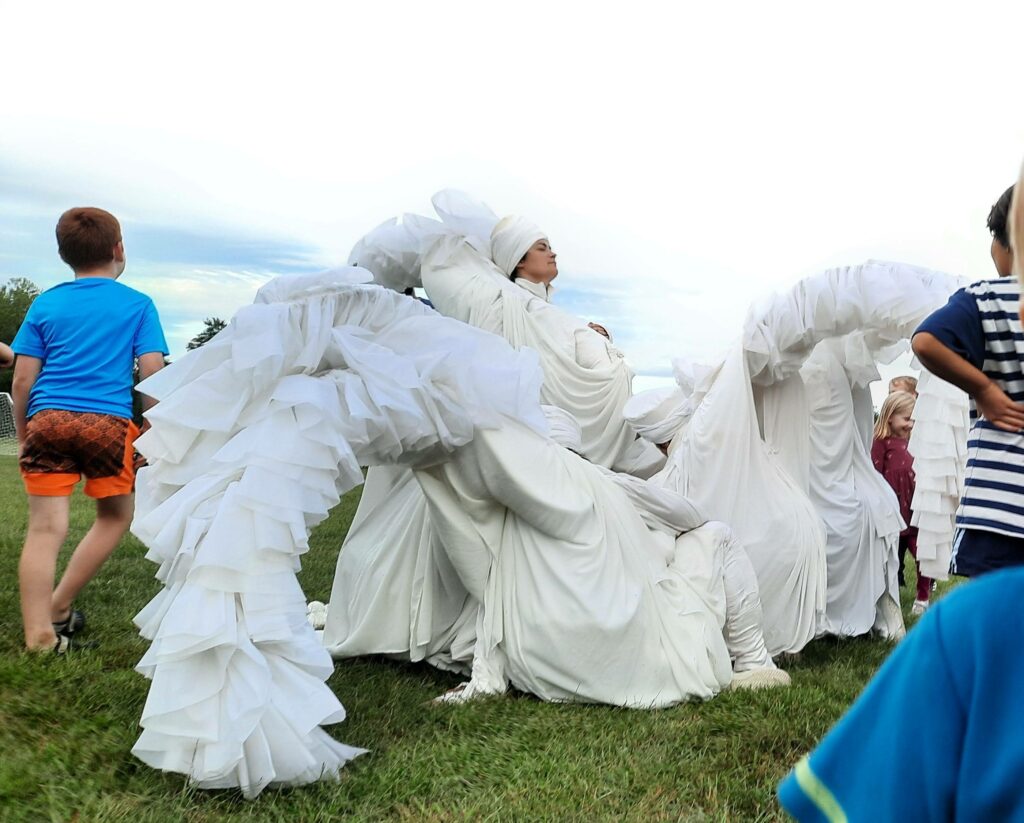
691, 156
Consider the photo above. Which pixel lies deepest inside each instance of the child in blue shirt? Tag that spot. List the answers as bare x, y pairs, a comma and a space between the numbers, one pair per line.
976, 342
936, 735
72, 394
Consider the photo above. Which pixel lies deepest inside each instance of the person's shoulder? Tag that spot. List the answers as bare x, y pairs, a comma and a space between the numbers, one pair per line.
1001, 287
128, 291
983, 602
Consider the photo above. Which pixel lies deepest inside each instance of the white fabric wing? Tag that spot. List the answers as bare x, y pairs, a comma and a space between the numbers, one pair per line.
939, 445
256, 436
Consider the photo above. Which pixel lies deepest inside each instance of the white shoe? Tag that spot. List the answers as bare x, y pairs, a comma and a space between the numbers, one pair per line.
919, 607
764, 678
316, 614
889, 619
463, 693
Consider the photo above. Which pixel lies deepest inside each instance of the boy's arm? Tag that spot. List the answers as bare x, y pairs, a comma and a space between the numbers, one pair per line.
6, 356
149, 364
992, 402
26, 370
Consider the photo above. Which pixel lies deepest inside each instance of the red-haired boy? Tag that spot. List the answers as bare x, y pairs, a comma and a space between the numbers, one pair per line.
72, 395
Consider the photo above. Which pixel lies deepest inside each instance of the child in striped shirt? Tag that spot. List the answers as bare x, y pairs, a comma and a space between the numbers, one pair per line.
976, 342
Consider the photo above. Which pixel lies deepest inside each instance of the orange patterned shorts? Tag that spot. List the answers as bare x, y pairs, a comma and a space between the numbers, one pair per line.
61, 446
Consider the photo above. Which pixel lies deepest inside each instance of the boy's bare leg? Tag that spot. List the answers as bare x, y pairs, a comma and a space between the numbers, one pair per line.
47, 528
113, 517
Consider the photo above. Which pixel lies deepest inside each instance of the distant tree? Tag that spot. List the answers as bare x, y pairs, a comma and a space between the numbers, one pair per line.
212, 326
16, 295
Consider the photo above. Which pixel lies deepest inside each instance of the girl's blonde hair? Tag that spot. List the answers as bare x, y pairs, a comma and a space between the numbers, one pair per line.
895, 402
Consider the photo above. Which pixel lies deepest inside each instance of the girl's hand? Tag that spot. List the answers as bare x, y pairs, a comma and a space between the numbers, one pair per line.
998, 409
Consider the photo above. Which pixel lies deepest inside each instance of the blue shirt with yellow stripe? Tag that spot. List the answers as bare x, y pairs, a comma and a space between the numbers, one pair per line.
938, 734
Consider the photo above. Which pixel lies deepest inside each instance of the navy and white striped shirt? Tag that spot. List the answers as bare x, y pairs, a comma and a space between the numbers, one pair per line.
982, 324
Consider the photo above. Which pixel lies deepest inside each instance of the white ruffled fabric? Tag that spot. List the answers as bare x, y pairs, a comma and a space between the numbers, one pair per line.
939, 445
256, 436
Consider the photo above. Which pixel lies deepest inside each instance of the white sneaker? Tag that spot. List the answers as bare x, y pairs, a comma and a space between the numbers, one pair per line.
764, 678
316, 614
919, 607
889, 619
463, 693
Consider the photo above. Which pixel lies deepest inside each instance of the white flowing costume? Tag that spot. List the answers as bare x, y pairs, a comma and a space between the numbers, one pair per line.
579, 599
718, 460
256, 436
817, 347
389, 596
817, 436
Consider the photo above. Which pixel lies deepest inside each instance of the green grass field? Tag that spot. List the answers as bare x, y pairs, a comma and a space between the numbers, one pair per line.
67, 727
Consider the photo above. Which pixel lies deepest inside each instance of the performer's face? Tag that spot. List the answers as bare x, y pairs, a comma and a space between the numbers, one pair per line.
539, 266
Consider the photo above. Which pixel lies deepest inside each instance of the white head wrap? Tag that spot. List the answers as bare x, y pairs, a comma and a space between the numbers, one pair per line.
564, 428
658, 415
511, 239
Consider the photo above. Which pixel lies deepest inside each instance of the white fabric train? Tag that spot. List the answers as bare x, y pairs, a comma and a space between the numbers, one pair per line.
814, 414
815, 348
256, 436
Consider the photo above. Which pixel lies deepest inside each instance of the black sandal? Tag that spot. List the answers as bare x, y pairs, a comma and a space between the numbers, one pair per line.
66, 644
73, 623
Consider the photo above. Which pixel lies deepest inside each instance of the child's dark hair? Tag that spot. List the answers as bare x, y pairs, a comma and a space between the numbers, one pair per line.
998, 217
86, 237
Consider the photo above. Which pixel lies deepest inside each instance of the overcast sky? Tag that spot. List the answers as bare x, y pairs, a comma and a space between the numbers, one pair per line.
684, 158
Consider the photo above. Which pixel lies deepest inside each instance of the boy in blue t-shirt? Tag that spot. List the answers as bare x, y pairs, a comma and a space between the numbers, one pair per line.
72, 394
976, 342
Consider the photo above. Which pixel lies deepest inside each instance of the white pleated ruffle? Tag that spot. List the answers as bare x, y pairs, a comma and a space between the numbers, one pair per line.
939, 445
256, 436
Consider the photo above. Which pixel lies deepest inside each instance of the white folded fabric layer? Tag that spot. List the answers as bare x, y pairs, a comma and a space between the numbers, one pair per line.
256, 436
718, 461
860, 510
466, 286
579, 599
814, 349
874, 306
939, 445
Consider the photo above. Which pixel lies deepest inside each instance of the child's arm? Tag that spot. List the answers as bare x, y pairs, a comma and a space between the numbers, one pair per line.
149, 364
878, 456
6, 356
992, 402
26, 370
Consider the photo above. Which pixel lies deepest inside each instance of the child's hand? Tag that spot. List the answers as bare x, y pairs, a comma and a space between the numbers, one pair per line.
998, 409
601, 330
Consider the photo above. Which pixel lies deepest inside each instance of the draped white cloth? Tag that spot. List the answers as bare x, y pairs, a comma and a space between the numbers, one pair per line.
583, 372
256, 436
390, 552
718, 460
452, 259
395, 592
859, 509
579, 599
815, 349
